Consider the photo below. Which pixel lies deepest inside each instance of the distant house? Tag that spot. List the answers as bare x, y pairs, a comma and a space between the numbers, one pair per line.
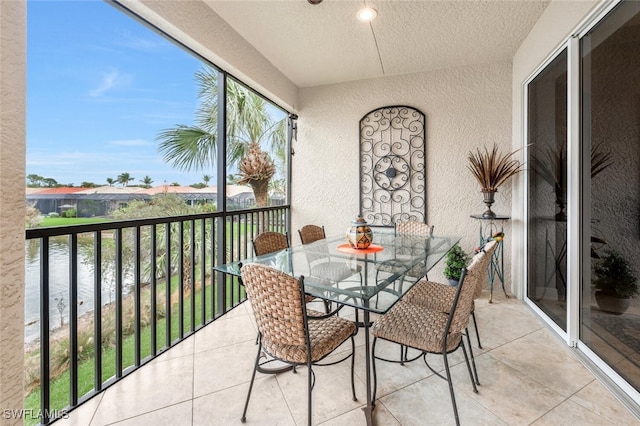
104, 200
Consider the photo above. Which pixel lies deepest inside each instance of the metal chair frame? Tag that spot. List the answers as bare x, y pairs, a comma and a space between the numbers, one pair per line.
423, 352
309, 363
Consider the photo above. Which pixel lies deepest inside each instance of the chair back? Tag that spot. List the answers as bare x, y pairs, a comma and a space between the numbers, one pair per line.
413, 227
311, 233
269, 242
276, 300
460, 309
477, 270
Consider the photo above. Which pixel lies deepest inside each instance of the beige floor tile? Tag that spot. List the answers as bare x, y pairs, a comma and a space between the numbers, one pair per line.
331, 393
428, 402
266, 407
184, 348
82, 415
178, 414
570, 413
596, 398
215, 371
517, 398
356, 417
541, 356
527, 376
225, 332
152, 387
502, 322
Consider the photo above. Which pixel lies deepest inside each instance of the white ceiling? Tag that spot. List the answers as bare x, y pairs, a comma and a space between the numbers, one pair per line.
324, 44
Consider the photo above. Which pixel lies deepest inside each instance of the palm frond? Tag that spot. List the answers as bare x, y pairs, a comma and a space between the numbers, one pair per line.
188, 148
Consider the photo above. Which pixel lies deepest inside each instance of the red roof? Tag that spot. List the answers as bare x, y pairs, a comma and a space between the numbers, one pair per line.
61, 190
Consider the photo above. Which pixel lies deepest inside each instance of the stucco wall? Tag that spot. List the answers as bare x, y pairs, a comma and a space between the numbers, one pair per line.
12, 204
465, 108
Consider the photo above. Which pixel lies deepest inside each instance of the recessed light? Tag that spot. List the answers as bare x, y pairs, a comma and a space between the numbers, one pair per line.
366, 14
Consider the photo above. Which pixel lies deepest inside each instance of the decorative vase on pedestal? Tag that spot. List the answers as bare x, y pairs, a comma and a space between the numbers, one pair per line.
489, 199
359, 234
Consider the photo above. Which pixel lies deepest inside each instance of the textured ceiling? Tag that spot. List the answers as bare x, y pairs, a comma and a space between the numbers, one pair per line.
324, 44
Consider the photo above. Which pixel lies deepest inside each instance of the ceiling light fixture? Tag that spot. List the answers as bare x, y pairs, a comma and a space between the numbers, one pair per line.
314, 1
366, 14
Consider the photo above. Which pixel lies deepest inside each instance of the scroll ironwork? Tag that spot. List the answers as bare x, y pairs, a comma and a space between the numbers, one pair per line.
392, 166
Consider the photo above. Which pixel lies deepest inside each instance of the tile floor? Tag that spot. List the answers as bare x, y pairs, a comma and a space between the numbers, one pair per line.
528, 377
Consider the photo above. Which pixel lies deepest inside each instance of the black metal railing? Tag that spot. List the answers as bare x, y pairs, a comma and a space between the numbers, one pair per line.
158, 275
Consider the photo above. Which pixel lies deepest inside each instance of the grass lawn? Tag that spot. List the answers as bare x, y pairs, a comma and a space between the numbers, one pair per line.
59, 390
67, 221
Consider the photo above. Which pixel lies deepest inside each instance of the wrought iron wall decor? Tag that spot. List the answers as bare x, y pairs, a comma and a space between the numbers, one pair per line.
392, 166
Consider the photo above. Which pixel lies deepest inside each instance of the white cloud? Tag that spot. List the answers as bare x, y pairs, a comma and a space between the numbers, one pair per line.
109, 80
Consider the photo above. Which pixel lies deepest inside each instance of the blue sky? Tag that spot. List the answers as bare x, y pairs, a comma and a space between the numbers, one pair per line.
100, 86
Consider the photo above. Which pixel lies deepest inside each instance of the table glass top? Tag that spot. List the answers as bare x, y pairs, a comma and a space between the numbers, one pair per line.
372, 281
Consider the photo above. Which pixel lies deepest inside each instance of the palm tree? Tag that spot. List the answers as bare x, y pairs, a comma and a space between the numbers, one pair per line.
146, 182
125, 178
249, 125
110, 181
206, 179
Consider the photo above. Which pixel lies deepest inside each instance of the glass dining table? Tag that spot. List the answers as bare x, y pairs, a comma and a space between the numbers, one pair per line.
369, 280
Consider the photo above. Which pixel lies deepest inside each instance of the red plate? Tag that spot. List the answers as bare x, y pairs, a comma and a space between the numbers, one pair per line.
373, 248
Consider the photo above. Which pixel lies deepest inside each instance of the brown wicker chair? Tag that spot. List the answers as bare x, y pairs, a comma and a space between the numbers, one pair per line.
434, 295
287, 331
311, 233
320, 262
415, 272
428, 331
269, 242
438, 296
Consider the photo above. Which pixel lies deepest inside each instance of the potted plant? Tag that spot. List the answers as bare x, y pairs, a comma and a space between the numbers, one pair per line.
491, 169
456, 260
614, 282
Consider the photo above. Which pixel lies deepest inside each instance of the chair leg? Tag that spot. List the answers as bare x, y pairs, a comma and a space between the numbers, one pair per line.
375, 377
475, 324
310, 387
453, 396
473, 359
353, 363
253, 376
466, 359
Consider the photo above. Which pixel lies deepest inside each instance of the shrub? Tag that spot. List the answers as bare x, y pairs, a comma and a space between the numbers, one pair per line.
456, 260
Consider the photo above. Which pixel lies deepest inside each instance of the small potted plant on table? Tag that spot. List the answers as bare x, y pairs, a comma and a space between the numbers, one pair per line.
615, 283
456, 260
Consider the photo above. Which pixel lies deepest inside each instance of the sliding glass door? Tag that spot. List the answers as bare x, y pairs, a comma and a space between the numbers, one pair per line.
547, 226
587, 246
610, 120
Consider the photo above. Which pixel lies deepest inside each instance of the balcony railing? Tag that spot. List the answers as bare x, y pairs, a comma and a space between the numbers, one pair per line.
158, 276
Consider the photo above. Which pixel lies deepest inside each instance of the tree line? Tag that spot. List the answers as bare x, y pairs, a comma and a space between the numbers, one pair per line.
123, 179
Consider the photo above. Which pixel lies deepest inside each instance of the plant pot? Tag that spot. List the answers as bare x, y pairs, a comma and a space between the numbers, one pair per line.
489, 199
453, 283
612, 304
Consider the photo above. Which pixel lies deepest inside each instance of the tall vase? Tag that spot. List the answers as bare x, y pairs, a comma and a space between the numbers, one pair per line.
489, 199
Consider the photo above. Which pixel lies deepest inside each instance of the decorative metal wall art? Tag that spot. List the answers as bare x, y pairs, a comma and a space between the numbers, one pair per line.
392, 166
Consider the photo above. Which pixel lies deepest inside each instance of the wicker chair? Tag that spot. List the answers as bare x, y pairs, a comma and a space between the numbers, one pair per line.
311, 233
287, 331
320, 262
428, 331
269, 242
434, 295
415, 272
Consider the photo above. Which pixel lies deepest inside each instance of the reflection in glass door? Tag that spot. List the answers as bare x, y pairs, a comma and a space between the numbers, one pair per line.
610, 117
547, 224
